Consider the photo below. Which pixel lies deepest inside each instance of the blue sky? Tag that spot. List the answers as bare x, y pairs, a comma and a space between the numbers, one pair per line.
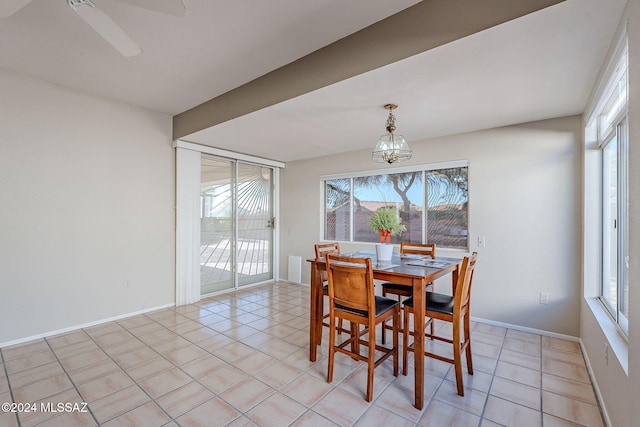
386, 193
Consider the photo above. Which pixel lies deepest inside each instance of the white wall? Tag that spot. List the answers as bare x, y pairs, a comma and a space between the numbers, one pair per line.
86, 203
524, 196
619, 388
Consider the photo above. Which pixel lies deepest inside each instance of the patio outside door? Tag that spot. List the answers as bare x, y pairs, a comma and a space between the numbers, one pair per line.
236, 224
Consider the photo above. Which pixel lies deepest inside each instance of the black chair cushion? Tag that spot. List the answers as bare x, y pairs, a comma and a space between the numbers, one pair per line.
382, 306
435, 302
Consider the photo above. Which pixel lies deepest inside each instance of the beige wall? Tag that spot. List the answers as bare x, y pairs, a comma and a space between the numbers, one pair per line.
524, 197
86, 203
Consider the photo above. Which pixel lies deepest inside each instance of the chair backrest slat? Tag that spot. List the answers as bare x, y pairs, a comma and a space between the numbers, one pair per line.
418, 248
322, 249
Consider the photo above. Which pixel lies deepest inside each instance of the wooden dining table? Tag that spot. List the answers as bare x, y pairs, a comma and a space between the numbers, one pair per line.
415, 271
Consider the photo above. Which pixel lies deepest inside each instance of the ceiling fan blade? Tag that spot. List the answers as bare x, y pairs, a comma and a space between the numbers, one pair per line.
9, 7
170, 7
105, 26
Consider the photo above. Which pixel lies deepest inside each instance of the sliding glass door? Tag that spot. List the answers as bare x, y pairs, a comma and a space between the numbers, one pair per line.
216, 225
255, 224
236, 224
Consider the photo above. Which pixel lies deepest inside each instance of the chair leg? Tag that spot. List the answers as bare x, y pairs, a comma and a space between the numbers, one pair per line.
429, 322
332, 350
371, 362
318, 326
355, 336
383, 334
339, 320
396, 326
457, 359
467, 339
405, 340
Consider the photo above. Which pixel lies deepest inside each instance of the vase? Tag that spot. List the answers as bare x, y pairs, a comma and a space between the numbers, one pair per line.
384, 251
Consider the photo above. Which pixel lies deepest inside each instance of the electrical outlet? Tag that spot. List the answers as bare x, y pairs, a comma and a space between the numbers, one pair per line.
127, 283
544, 297
481, 241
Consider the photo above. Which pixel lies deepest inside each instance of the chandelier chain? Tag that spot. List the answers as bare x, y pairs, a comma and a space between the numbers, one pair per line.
391, 122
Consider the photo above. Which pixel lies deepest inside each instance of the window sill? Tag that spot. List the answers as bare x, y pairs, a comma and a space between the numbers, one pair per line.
617, 342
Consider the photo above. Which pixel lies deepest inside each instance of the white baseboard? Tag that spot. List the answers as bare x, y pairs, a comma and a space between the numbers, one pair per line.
295, 283
526, 329
596, 389
84, 325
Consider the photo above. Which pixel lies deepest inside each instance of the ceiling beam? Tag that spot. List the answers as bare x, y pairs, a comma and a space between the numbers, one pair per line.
417, 29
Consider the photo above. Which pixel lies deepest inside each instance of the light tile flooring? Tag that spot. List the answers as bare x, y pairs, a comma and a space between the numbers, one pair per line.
241, 359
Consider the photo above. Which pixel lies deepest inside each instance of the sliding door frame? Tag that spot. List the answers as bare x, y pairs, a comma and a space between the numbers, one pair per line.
188, 218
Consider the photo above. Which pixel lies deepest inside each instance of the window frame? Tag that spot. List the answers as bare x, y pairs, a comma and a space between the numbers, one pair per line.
621, 136
615, 128
424, 168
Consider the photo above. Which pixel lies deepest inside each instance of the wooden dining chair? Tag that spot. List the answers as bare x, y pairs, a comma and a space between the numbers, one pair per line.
352, 297
322, 250
425, 249
453, 309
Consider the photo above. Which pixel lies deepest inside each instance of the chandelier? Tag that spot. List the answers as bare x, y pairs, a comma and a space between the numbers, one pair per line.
391, 148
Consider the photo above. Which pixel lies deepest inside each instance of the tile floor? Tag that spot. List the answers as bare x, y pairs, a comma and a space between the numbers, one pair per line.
241, 359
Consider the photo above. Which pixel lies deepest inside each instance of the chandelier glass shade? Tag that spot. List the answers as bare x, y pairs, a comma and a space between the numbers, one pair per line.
391, 148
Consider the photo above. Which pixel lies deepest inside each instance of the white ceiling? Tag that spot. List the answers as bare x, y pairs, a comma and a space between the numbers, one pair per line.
217, 46
536, 67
